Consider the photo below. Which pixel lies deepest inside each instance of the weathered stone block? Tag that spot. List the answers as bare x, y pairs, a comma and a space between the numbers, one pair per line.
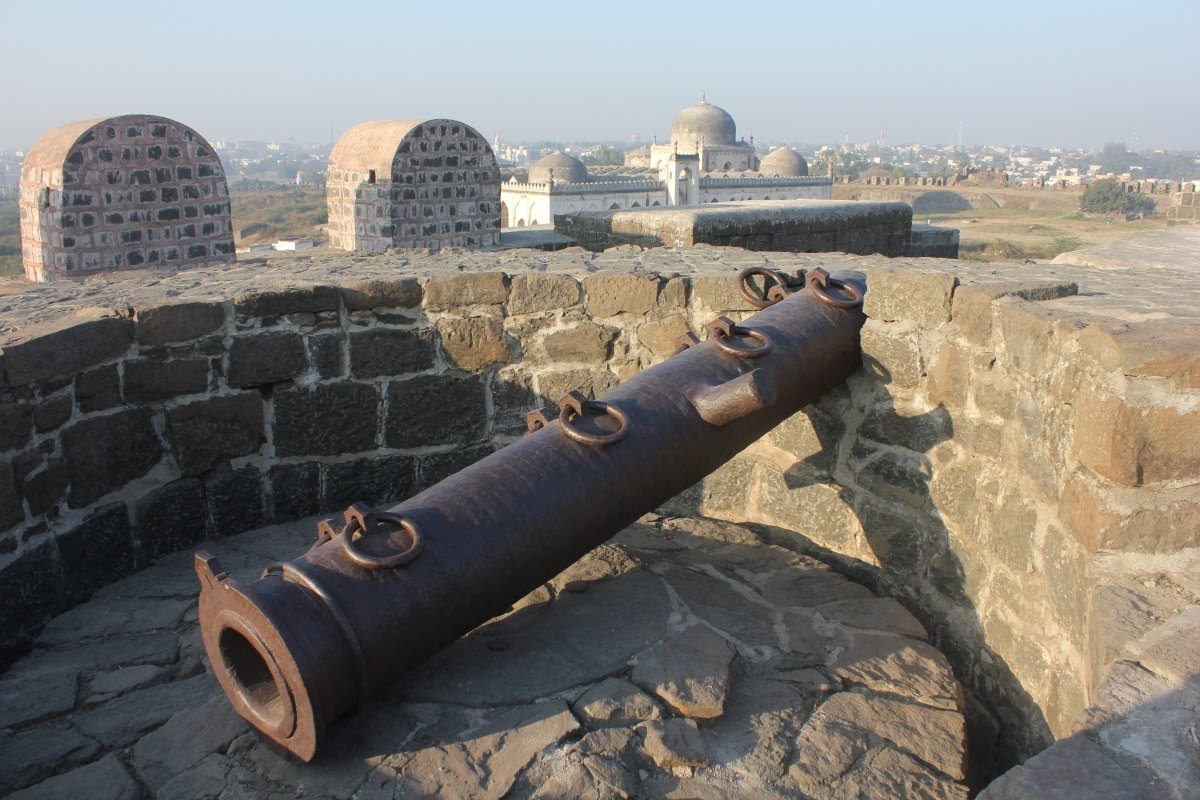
265, 358
900, 294
1011, 534
43, 490
52, 413
178, 322
719, 293
16, 425
512, 398
1129, 520
65, 351
1160, 348
105, 453
326, 419
532, 293
452, 292
98, 389
892, 353
673, 294
376, 293
33, 593
328, 354
592, 382
473, 343
586, 342
207, 433
384, 351
435, 467
915, 431
896, 478
897, 541
609, 294
234, 501
375, 481
277, 302
1136, 445
171, 518
435, 409
11, 511
1027, 332
96, 552
148, 380
948, 375
659, 335
295, 491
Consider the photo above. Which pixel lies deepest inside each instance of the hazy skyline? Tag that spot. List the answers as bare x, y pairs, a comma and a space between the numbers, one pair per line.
1018, 72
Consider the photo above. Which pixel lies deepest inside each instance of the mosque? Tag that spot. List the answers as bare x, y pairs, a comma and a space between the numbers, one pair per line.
703, 163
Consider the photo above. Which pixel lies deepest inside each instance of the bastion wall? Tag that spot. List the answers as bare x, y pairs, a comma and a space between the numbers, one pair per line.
1006, 428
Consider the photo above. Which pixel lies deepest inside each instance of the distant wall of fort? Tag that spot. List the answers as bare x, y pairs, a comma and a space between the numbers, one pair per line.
988, 449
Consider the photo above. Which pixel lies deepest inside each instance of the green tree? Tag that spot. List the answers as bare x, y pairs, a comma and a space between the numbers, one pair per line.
1108, 196
1115, 158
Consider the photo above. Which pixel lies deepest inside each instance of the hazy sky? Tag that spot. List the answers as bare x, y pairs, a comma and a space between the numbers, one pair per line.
1049, 72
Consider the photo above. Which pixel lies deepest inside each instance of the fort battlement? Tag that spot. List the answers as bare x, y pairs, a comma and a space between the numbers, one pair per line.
1018, 439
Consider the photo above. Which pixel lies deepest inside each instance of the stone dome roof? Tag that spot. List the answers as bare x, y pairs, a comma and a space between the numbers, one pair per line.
784, 162
567, 169
703, 122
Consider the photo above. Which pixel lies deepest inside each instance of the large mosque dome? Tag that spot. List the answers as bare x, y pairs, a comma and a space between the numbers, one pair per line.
566, 169
785, 163
703, 123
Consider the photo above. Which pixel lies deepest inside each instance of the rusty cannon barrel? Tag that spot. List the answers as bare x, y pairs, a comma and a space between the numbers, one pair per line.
312, 639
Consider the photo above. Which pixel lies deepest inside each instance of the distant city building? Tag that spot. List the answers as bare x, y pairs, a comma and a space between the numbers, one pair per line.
704, 163
412, 183
118, 193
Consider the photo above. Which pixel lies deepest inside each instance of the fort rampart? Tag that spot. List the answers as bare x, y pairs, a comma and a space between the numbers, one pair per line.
1011, 426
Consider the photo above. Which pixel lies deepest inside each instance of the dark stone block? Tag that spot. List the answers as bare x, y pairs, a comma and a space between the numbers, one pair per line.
511, 402
328, 354
326, 420
235, 501
98, 389
32, 590
11, 510
96, 552
436, 467
435, 409
287, 301
265, 358
180, 322
25, 463
16, 425
171, 518
295, 491
105, 453
46, 489
375, 481
208, 433
390, 352
148, 380
67, 351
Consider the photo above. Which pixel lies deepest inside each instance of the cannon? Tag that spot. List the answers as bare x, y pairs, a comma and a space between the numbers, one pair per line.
312, 639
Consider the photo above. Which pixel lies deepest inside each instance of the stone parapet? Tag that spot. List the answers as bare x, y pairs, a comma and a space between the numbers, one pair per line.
1014, 426
803, 226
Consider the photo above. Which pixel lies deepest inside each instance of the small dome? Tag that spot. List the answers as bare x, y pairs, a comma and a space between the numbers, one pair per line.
703, 122
567, 169
784, 162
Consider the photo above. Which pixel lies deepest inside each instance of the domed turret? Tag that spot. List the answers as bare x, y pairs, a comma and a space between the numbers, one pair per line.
785, 163
703, 123
566, 169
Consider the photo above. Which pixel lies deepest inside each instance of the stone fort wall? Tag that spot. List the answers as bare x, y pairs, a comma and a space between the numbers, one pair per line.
1006, 429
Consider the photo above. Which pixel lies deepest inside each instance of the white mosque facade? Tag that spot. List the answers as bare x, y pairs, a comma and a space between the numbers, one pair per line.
704, 163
